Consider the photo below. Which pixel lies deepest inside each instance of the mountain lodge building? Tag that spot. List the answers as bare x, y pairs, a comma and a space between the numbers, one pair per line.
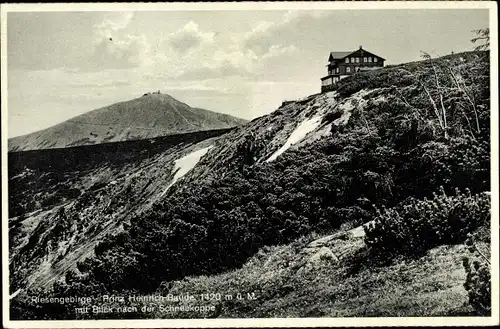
344, 63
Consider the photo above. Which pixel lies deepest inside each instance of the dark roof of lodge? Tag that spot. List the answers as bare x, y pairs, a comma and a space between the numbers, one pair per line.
342, 54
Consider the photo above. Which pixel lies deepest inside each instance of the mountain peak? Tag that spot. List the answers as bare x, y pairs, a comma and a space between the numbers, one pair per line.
148, 116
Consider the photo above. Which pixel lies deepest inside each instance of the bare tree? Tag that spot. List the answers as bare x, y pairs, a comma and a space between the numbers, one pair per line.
449, 89
483, 37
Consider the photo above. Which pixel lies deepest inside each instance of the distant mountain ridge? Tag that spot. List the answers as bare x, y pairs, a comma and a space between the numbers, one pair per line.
149, 116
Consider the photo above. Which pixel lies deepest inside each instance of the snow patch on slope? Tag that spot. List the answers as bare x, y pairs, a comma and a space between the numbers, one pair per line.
355, 101
15, 294
297, 135
183, 165
359, 232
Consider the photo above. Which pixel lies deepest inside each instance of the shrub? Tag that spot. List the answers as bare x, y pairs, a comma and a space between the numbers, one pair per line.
50, 200
331, 116
415, 226
386, 78
478, 285
478, 279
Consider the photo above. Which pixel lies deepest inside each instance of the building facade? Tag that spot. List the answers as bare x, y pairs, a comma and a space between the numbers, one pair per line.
342, 64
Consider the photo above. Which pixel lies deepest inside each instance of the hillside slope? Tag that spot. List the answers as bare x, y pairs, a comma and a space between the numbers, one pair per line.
149, 116
381, 148
74, 206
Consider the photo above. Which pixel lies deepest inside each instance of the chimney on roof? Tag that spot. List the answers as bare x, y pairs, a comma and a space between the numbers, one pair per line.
360, 47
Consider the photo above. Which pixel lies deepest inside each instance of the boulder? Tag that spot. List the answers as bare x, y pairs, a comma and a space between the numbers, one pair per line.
323, 257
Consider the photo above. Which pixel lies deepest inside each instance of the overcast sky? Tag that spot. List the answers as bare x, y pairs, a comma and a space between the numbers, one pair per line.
244, 63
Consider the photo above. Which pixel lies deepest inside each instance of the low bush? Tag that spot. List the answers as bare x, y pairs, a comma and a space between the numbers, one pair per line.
478, 285
416, 226
477, 269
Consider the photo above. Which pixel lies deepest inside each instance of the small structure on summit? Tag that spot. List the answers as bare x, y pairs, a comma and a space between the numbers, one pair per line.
344, 63
153, 93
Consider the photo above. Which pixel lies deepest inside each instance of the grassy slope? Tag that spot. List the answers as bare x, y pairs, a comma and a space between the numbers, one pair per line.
292, 281
351, 285
430, 286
